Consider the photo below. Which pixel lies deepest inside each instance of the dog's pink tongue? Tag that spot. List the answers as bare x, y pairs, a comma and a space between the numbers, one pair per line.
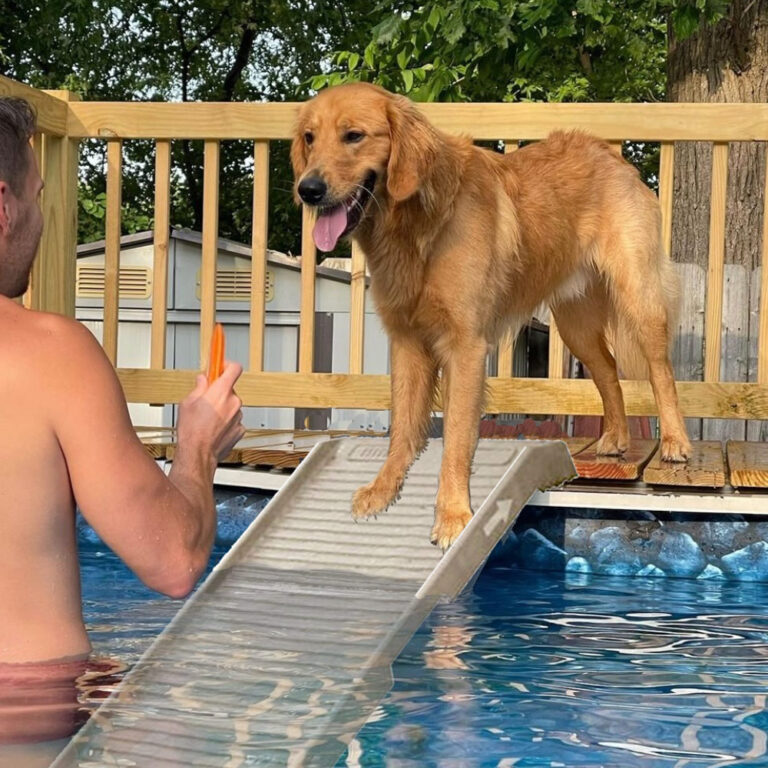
328, 228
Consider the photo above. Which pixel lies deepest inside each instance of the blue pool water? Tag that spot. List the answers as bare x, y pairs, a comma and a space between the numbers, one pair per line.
537, 669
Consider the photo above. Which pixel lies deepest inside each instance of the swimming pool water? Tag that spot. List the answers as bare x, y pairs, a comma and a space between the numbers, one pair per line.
538, 669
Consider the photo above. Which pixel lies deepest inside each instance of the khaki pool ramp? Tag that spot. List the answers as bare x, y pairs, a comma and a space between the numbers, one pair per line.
285, 650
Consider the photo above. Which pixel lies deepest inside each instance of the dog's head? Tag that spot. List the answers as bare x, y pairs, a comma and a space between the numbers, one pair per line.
354, 142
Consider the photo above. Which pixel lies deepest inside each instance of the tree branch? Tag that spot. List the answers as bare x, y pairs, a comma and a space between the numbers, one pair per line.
241, 61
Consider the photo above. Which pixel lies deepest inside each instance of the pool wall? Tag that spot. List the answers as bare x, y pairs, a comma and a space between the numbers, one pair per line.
642, 543
615, 542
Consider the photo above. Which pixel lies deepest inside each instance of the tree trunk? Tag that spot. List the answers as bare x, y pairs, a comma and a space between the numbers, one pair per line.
726, 62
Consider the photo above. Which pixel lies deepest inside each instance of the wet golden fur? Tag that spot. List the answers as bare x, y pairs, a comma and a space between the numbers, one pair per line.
462, 243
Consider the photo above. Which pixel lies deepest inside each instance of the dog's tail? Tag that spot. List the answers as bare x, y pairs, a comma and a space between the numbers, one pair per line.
623, 334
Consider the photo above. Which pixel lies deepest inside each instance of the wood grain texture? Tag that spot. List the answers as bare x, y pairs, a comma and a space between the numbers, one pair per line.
666, 192
162, 231
611, 121
705, 468
272, 457
357, 310
210, 247
112, 248
715, 272
762, 353
747, 464
53, 275
337, 390
627, 467
52, 112
307, 312
259, 254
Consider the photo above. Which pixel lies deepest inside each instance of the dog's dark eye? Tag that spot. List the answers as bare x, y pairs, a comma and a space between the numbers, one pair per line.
309, 137
352, 137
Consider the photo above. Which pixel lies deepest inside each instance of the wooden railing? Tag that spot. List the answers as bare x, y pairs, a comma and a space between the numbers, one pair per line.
63, 122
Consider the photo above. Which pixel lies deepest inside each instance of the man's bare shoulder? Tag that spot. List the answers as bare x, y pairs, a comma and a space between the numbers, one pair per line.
43, 341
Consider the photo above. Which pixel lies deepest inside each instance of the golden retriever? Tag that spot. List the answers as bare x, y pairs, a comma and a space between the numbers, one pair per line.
462, 243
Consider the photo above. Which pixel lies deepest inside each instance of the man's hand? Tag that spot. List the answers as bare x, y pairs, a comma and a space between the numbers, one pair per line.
210, 417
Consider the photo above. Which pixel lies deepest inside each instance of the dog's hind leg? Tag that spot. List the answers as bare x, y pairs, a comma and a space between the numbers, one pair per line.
414, 377
582, 323
644, 292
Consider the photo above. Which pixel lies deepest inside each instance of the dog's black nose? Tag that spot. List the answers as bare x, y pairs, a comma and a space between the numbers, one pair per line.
312, 189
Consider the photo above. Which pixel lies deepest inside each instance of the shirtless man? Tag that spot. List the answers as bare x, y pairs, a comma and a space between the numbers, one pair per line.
66, 439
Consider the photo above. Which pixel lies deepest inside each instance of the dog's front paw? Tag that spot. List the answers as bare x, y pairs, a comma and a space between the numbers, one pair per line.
372, 499
675, 449
448, 526
611, 444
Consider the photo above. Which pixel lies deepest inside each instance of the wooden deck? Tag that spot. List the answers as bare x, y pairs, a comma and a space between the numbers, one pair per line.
713, 465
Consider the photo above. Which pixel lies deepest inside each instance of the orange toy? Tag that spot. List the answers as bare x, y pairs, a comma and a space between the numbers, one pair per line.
216, 359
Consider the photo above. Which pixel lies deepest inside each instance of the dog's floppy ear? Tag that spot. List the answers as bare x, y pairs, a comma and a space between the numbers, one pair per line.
412, 151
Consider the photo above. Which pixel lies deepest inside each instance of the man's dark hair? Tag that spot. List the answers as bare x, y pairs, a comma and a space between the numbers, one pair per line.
17, 125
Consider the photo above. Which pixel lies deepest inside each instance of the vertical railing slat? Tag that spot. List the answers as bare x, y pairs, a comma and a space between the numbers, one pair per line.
210, 248
556, 351
666, 192
112, 248
713, 318
762, 344
259, 254
307, 315
507, 342
160, 258
357, 310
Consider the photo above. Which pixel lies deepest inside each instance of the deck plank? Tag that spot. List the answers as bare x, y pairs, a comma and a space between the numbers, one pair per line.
272, 457
747, 464
627, 467
156, 442
704, 469
575, 444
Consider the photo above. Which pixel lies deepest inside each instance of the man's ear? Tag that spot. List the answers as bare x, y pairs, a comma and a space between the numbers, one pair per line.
413, 148
7, 209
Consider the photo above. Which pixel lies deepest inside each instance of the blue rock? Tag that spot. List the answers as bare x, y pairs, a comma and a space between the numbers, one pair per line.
680, 555
747, 564
505, 549
578, 565
614, 555
712, 572
539, 553
651, 570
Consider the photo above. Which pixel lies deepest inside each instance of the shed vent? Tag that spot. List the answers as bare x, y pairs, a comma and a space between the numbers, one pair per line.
133, 282
235, 285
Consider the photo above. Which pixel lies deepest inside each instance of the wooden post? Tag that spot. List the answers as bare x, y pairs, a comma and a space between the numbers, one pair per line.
53, 287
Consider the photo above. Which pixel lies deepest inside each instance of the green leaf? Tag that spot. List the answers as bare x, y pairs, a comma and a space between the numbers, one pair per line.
354, 60
369, 55
385, 32
407, 75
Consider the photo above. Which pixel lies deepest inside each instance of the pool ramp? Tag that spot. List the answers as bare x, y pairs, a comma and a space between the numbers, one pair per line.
286, 649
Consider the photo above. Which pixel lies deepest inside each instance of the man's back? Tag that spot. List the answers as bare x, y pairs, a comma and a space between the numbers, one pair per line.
40, 611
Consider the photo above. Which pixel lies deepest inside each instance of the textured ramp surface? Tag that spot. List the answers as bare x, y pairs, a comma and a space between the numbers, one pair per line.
285, 650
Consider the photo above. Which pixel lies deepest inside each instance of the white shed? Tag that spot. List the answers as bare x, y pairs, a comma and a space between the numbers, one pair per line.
233, 292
